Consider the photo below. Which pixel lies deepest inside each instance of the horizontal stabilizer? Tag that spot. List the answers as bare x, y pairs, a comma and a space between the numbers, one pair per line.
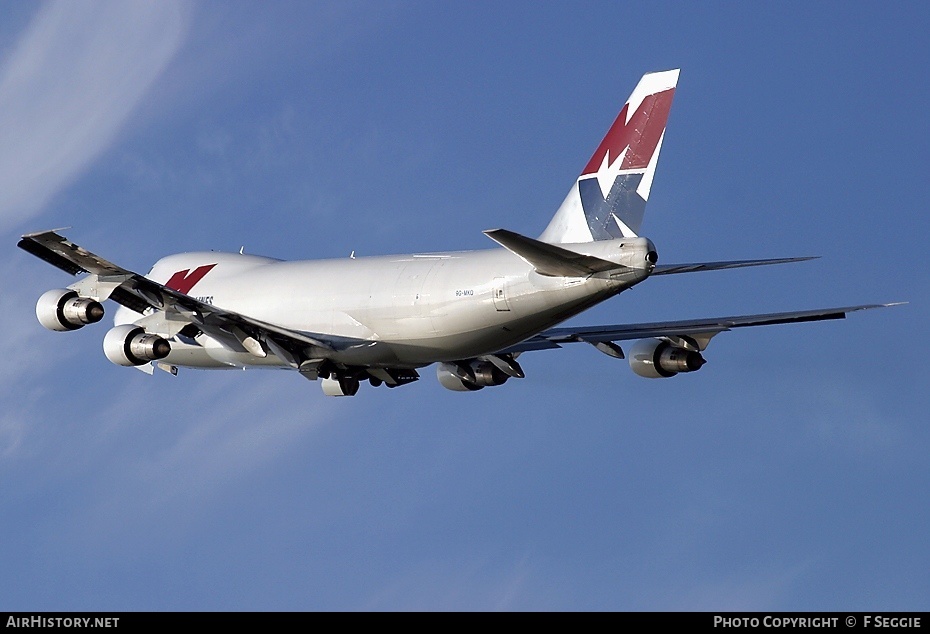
549, 259
669, 269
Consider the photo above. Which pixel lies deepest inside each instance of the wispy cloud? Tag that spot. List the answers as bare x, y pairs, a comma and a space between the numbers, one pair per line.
24, 343
28, 349
139, 466
69, 85
228, 427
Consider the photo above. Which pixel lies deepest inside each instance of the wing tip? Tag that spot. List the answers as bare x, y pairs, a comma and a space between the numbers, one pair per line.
36, 234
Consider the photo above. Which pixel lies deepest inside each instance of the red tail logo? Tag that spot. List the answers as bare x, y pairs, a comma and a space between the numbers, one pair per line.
184, 281
641, 134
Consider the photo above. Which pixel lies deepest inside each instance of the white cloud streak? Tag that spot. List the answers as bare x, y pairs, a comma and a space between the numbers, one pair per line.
69, 85
146, 460
28, 350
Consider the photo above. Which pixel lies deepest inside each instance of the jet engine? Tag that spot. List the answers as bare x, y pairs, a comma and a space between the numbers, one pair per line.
130, 345
448, 375
340, 386
659, 359
469, 376
63, 310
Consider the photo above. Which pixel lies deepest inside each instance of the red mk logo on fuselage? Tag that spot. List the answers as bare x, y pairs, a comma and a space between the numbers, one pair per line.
184, 281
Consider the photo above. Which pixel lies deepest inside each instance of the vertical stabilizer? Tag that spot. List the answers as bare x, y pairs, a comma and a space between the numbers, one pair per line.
609, 199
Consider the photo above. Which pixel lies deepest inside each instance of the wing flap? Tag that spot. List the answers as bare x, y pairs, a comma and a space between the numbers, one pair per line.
61, 252
130, 300
52, 257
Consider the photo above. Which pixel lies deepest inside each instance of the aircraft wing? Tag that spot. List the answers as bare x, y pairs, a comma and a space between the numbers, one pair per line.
692, 333
168, 310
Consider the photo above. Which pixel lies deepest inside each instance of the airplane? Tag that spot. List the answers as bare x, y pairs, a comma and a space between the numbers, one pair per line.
381, 319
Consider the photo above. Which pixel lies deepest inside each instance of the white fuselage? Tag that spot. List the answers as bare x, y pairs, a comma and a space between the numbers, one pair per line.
395, 311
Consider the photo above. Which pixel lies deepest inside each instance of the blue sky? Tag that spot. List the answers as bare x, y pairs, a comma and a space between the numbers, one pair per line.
790, 473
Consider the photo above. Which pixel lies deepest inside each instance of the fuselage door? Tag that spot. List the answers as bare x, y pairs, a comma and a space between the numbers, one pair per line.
499, 293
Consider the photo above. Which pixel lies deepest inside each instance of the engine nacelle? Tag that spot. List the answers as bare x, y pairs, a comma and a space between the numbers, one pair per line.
469, 376
487, 374
658, 359
130, 345
62, 310
448, 375
334, 386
